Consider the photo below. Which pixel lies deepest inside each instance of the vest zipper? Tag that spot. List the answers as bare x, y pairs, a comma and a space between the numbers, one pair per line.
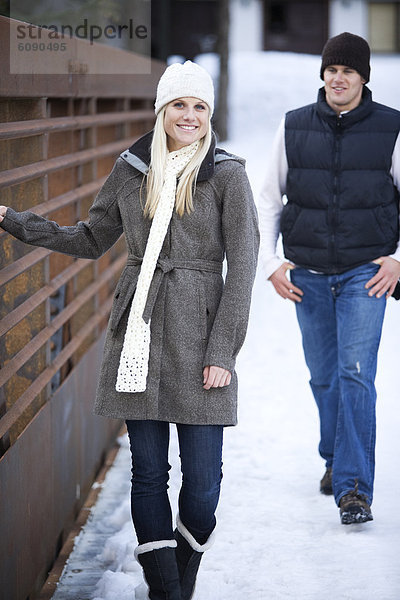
335, 207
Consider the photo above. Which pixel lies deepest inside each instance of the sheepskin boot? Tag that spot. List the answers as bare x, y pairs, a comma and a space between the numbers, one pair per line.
188, 555
160, 569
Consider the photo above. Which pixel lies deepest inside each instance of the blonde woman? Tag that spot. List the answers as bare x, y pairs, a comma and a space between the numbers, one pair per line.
176, 325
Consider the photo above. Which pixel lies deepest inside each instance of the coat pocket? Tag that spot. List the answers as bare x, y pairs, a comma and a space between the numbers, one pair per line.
210, 290
124, 293
203, 312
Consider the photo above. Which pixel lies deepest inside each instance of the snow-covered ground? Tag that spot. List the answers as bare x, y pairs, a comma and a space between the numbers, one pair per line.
278, 537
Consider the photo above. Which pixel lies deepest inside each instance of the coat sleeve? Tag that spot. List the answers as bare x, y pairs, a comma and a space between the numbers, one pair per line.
85, 239
241, 240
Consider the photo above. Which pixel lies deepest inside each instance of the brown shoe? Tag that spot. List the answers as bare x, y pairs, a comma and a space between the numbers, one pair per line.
354, 508
325, 486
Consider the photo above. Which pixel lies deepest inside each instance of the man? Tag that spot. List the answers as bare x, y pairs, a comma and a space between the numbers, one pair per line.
337, 162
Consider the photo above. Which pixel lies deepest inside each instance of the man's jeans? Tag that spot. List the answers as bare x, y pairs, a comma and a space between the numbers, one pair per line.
201, 464
341, 327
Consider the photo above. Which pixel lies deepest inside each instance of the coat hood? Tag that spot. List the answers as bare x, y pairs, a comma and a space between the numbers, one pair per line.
138, 156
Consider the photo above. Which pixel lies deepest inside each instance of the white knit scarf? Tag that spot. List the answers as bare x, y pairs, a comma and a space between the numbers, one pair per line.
133, 365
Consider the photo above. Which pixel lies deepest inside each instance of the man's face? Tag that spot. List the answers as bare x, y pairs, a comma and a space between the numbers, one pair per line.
343, 87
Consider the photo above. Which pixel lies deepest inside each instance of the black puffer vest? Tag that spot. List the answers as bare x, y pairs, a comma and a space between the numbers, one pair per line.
343, 207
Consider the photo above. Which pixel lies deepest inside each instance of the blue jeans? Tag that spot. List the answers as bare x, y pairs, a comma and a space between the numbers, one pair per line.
341, 327
201, 465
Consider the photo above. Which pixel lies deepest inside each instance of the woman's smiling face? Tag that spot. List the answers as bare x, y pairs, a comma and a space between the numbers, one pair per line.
185, 122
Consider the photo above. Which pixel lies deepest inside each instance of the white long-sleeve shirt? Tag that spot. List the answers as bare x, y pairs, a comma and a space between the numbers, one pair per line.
272, 200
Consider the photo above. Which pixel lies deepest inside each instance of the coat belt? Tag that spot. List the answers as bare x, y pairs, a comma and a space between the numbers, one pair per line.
165, 265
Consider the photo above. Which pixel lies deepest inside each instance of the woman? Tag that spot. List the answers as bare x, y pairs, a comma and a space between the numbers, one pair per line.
176, 326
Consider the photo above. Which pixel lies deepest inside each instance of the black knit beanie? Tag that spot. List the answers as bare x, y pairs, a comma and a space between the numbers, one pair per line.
349, 50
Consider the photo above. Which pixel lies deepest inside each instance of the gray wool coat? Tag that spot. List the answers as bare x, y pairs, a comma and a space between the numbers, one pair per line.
198, 318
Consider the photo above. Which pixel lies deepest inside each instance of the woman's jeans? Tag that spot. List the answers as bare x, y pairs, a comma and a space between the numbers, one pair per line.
201, 465
341, 327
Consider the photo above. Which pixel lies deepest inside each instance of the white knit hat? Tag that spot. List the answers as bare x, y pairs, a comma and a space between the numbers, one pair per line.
183, 81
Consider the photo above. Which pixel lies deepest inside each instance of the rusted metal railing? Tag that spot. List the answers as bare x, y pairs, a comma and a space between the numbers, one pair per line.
56, 150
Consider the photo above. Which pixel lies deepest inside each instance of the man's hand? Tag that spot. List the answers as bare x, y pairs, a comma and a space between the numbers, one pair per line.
386, 278
283, 286
215, 377
3, 210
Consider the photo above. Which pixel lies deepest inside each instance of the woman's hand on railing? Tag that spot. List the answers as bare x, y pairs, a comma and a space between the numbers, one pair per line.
3, 210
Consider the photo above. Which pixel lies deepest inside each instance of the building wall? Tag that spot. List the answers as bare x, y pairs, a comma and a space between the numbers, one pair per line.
246, 31
384, 26
377, 21
308, 24
348, 15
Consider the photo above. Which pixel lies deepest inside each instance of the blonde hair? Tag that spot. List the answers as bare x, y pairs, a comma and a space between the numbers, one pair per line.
187, 181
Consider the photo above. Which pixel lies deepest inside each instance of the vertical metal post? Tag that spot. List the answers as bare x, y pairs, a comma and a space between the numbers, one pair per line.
221, 116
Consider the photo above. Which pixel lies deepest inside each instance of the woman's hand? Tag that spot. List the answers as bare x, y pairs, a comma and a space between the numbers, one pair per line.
215, 377
3, 210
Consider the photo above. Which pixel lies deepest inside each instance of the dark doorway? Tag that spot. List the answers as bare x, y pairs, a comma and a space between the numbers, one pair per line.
184, 27
295, 26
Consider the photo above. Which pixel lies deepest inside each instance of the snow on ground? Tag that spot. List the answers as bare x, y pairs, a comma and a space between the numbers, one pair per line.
278, 537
